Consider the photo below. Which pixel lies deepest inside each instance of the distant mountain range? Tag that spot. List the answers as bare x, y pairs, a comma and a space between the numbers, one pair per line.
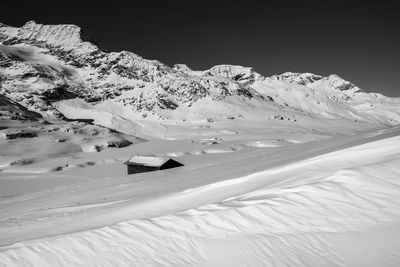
46, 68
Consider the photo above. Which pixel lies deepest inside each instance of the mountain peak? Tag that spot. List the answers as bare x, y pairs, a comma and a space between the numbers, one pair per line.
181, 67
30, 23
333, 81
240, 74
298, 78
66, 36
338, 83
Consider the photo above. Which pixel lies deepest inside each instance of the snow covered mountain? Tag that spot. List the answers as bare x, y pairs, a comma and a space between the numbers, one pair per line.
295, 169
43, 64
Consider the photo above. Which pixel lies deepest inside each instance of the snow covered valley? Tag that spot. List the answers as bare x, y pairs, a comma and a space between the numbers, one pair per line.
323, 202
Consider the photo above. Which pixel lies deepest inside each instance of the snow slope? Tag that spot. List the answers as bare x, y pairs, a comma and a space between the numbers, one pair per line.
331, 203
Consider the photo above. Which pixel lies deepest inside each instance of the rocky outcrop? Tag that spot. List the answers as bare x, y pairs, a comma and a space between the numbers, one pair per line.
308, 79
68, 37
297, 78
242, 75
15, 111
19, 134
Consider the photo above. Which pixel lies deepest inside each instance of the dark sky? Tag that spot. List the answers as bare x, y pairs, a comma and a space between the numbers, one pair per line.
359, 41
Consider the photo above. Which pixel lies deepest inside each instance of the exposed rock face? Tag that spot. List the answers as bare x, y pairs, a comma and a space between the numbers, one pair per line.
66, 36
19, 134
12, 110
298, 78
242, 75
307, 79
340, 84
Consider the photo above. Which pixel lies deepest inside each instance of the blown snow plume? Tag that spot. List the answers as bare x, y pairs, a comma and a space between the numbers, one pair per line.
36, 79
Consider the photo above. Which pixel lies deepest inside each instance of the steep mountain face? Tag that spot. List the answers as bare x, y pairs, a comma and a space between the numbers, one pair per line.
43, 64
14, 111
55, 62
308, 79
330, 97
297, 78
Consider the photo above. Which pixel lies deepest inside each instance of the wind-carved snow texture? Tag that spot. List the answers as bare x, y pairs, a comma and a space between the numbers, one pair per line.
294, 169
302, 214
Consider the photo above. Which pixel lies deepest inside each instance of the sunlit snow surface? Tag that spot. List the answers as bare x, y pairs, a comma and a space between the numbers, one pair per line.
254, 197
148, 161
289, 170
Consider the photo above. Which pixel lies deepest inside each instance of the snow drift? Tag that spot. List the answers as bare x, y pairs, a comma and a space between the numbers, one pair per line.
303, 213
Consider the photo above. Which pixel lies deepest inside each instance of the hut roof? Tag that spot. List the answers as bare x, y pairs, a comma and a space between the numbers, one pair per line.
147, 161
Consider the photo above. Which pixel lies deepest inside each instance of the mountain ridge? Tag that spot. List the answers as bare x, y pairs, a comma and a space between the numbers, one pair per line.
42, 64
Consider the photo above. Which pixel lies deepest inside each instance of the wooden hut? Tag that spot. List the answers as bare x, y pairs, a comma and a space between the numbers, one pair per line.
138, 164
